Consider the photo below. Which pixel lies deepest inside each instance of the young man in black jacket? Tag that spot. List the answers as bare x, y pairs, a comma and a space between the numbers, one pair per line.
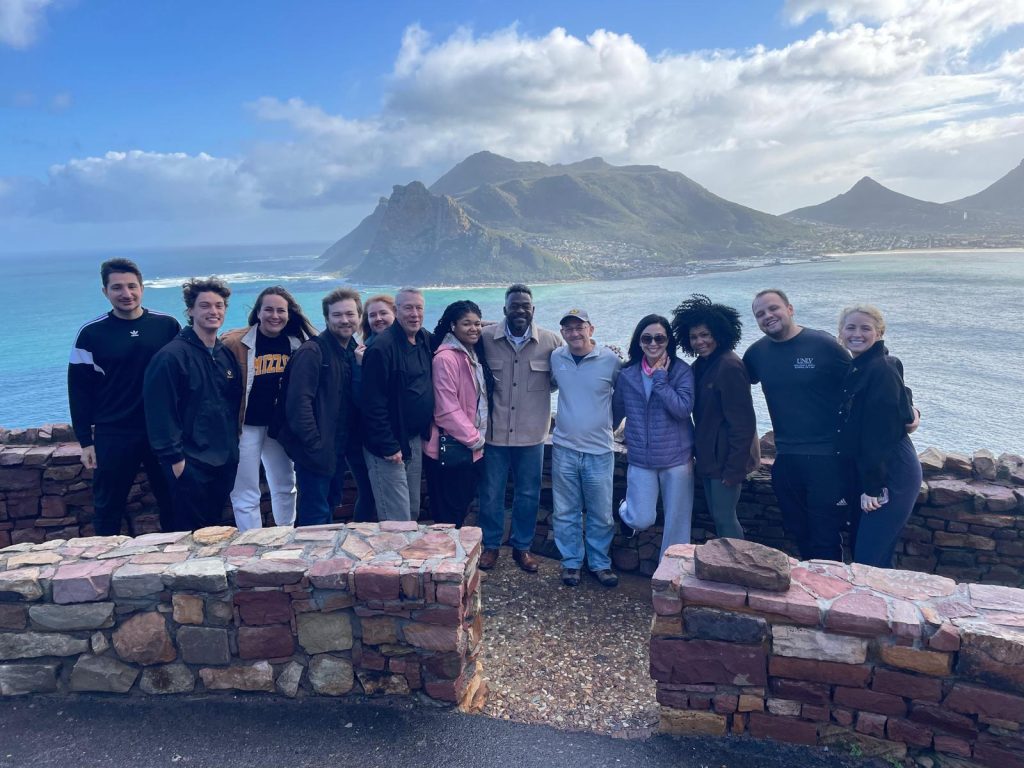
397, 407
316, 408
192, 391
105, 372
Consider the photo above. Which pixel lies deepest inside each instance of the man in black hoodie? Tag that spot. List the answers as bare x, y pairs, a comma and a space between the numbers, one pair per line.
315, 408
397, 407
192, 392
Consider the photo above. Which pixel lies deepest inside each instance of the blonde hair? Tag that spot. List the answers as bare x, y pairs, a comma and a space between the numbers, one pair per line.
865, 309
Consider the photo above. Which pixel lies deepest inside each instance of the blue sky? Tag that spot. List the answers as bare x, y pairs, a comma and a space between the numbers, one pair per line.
131, 124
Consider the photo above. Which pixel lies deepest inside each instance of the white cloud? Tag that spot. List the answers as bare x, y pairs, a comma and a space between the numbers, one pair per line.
21, 21
136, 185
903, 90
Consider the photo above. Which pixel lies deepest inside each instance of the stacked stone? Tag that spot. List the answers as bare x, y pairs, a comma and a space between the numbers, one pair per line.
968, 523
327, 610
885, 663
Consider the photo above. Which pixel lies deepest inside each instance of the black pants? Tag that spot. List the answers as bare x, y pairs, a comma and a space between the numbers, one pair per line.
200, 494
811, 491
118, 456
451, 490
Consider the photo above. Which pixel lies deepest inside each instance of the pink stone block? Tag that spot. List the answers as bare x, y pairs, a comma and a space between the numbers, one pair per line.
946, 638
796, 605
871, 724
716, 594
667, 604
823, 585
450, 593
84, 582
905, 619
667, 572
444, 615
158, 558
270, 573
239, 550
430, 545
377, 582
331, 574
264, 607
707, 661
411, 584
858, 613
433, 637
399, 525
448, 570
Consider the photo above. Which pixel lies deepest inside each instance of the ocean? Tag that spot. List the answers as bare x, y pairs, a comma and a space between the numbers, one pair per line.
954, 319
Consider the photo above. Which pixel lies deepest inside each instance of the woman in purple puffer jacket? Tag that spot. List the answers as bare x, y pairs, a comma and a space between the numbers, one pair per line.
654, 392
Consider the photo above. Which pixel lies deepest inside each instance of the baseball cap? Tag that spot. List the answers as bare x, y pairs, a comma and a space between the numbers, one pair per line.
579, 314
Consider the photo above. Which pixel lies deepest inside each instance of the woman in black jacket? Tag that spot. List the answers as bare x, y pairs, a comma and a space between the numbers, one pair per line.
876, 410
725, 437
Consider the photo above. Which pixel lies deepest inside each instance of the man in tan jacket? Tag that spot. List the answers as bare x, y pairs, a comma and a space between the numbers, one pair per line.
518, 353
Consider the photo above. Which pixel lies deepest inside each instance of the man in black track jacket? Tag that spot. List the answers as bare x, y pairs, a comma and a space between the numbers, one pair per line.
105, 373
193, 390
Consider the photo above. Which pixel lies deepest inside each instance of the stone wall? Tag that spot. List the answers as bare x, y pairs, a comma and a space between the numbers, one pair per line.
328, 610
968, 524
867, 661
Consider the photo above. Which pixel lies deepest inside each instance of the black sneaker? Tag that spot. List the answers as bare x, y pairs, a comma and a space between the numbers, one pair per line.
571, 577
607, 577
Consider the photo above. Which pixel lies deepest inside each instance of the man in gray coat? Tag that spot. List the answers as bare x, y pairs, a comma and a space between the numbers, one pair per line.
518, 353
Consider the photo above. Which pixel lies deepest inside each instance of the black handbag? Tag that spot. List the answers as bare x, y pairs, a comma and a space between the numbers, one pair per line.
451, 454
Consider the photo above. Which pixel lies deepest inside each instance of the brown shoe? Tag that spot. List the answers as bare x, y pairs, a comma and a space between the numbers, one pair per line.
525, 560
488, 559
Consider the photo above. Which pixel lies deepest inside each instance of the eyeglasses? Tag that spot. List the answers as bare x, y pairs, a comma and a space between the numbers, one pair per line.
656, 339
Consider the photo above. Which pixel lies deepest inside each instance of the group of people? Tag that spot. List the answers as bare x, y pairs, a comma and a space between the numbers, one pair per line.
469, 403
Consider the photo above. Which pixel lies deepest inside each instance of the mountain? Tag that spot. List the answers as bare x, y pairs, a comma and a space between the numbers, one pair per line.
415, 237
1004, 197
870, 206
492, 218
349, 252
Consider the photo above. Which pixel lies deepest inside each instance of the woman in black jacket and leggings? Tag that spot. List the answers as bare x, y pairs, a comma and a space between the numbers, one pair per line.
876, 410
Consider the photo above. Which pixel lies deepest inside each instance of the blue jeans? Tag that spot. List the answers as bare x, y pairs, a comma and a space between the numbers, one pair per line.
676, 486
319, 495
527, 464
583, 480
878, 532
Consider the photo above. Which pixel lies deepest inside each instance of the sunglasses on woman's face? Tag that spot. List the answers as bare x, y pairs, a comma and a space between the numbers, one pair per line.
656, 339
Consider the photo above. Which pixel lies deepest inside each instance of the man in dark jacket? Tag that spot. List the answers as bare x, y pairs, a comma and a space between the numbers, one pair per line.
316, 395
398, 405
192, 392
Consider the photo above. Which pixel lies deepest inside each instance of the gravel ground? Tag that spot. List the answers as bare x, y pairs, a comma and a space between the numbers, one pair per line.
571, 657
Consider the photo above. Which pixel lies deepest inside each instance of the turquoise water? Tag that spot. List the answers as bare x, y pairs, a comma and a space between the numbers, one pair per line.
954, 319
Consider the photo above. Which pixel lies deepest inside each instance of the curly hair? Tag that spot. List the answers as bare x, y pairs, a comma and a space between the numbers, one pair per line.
451, 315
635, 352
723, 322
192, 287
298, 324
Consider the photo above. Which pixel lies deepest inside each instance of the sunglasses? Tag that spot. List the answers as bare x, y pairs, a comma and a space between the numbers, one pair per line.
656, 339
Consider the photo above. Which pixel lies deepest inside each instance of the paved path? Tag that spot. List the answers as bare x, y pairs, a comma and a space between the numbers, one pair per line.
258, 731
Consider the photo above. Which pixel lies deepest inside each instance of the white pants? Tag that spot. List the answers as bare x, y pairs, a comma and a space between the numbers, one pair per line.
254, 445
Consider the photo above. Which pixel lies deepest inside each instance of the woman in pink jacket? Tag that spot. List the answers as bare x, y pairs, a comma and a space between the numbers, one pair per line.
460, 377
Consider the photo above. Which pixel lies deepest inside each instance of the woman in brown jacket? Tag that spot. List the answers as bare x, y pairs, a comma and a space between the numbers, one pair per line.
725, 428
277, 326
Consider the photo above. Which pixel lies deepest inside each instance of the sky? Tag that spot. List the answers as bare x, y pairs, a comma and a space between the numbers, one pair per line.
180, 122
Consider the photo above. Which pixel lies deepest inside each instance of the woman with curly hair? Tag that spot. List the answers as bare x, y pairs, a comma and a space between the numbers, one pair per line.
460, 377
726, 444
277, 326
654, 392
